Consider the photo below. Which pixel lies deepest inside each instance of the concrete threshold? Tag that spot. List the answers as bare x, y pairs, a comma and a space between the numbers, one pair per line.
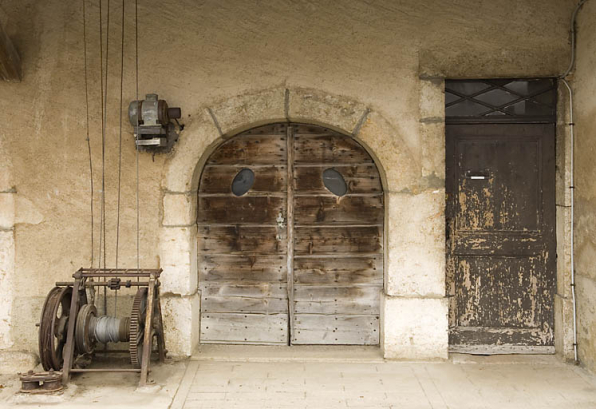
295, 353
349, 354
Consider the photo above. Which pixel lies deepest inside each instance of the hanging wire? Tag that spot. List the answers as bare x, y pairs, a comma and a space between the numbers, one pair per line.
103, 147
119, 153
92, 291
101, 213
87, 122
137, 128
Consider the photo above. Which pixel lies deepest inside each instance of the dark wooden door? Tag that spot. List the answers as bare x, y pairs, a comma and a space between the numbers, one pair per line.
501, 237
288, 260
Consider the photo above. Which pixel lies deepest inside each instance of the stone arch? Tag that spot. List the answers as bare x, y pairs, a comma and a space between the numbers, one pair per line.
214, 124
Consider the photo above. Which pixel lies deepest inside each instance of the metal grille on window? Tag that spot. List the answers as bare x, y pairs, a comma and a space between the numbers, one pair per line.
502, 100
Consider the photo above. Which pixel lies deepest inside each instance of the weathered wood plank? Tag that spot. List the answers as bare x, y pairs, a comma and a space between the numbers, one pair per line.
328, 148
218, 179
290, 226
340, 270
345, 210
261, 290
251, 149
314, 240
240, 239
339, 306
244, 305
466, 336
360, 179
244, 328
336, 329
237, 210
332, 293
243, 269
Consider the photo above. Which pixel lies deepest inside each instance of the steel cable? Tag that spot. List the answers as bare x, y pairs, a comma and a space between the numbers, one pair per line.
119, 152
137, 128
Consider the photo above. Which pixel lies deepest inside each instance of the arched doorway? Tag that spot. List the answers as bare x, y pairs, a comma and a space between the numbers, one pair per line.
290, 239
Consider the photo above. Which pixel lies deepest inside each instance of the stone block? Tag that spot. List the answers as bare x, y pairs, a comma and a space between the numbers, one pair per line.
432, 98
178, 255
433, 150
7, 211
416, 244
397, 163
564, 327
415, 328
241, 112
314, 106
7, 266
179, 209
181, 324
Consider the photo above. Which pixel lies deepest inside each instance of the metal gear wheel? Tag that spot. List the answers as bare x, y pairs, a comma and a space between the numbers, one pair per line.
137, 327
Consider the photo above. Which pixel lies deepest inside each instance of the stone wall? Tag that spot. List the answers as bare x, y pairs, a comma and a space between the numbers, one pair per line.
371, 69
584, 85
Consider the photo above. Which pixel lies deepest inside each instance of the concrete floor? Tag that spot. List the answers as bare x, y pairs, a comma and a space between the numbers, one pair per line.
265, 377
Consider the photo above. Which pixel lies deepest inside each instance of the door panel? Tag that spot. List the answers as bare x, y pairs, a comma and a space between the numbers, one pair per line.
338, 242
500, 235
242, 249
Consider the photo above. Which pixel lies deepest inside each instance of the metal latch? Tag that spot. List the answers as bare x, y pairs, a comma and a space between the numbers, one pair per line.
281, 225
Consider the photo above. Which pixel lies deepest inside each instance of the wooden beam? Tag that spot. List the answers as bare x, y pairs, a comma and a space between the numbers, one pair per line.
10, 62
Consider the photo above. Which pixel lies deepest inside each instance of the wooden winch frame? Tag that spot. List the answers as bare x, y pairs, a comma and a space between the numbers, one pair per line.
111, 278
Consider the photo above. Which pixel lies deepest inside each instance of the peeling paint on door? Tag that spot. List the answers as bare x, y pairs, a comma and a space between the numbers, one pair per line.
501, 239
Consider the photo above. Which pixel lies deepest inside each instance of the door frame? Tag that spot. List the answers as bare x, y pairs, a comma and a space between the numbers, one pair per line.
562, 303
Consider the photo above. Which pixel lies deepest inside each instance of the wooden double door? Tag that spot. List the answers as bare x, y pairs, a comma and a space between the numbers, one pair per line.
290, 239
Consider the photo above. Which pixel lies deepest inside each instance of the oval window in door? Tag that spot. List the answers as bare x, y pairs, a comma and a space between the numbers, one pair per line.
335, 182
242, 182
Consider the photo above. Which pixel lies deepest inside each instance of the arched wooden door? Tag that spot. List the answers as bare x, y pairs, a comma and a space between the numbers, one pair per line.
290, 236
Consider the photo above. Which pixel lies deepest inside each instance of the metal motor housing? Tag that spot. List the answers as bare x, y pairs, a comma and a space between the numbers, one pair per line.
152, 119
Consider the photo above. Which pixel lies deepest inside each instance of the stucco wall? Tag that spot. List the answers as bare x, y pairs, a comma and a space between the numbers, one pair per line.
388, 57
585, 192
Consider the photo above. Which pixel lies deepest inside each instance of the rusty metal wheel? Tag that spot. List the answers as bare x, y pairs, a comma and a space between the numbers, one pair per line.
137, 327
84, 337
53, 327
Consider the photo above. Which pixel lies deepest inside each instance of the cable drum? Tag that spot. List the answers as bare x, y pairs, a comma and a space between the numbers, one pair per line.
110, 329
